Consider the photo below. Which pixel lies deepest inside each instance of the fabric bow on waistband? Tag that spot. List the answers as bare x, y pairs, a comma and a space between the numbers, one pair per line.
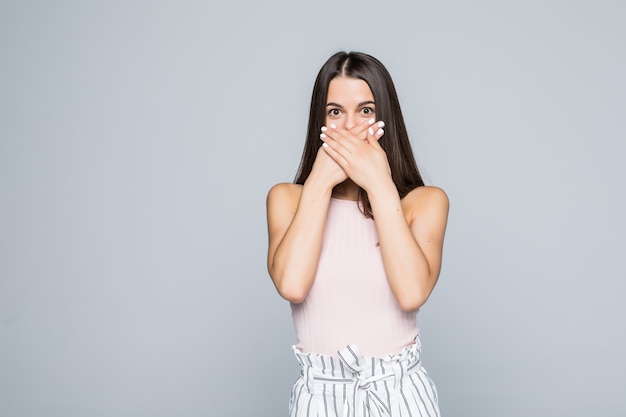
365, 401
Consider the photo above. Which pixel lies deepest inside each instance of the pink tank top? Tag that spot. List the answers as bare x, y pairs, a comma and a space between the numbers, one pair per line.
351, 301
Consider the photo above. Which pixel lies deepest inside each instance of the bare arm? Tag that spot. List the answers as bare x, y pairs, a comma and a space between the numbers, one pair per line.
296, 216
411, 248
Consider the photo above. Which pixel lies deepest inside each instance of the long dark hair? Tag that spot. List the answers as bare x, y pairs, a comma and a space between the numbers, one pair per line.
395, 141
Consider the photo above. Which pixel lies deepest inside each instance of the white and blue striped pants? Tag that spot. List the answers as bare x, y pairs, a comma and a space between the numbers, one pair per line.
351, 385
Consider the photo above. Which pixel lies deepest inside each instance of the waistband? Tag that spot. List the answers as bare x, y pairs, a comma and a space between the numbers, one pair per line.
350, 365
350, 362
362, 376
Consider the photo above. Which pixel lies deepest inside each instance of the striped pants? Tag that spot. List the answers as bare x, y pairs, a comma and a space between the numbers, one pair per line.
351, 385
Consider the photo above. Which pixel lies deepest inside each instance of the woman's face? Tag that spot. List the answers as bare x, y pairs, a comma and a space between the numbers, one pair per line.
350, 102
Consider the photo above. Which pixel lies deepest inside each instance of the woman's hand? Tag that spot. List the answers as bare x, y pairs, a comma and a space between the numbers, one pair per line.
357, 152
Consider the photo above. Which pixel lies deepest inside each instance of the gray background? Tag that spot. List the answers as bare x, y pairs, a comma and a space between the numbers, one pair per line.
138, 142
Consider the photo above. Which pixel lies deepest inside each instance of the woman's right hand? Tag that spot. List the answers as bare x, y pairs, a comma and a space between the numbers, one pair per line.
326, 170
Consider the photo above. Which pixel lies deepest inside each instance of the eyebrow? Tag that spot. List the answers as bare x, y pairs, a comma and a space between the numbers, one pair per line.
361, 104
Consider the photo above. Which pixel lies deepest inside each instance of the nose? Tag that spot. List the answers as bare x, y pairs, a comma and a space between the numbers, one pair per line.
350, 122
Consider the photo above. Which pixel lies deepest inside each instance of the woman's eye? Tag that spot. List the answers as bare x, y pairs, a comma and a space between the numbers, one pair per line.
333, 112
367, 110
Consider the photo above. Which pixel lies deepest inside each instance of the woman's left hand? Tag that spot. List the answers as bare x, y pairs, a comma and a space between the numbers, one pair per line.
358, 152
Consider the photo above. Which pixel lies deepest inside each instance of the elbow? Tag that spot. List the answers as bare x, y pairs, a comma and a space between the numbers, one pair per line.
413, 296
293, 294
412, 302
409, 306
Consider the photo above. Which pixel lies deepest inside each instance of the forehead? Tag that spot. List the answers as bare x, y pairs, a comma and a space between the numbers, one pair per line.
345, 90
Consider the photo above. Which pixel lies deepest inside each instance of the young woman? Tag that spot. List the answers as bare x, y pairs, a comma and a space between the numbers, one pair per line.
355, 245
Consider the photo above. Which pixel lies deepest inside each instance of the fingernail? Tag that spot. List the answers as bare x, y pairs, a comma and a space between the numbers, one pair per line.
325, 145
371, 121
324, 128
381, 124
380, 132
371, 131
333, 126
322, 136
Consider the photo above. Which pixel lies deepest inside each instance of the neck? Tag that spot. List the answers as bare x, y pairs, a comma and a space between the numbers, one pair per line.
347, 190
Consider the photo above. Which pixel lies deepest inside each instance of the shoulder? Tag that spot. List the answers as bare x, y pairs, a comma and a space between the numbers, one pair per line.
426, 194
285, 195
426, 202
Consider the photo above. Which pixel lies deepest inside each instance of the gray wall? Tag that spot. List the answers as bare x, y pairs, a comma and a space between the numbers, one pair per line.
138, 142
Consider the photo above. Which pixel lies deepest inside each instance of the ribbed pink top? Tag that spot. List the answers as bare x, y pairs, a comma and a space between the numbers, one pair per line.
351, 301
